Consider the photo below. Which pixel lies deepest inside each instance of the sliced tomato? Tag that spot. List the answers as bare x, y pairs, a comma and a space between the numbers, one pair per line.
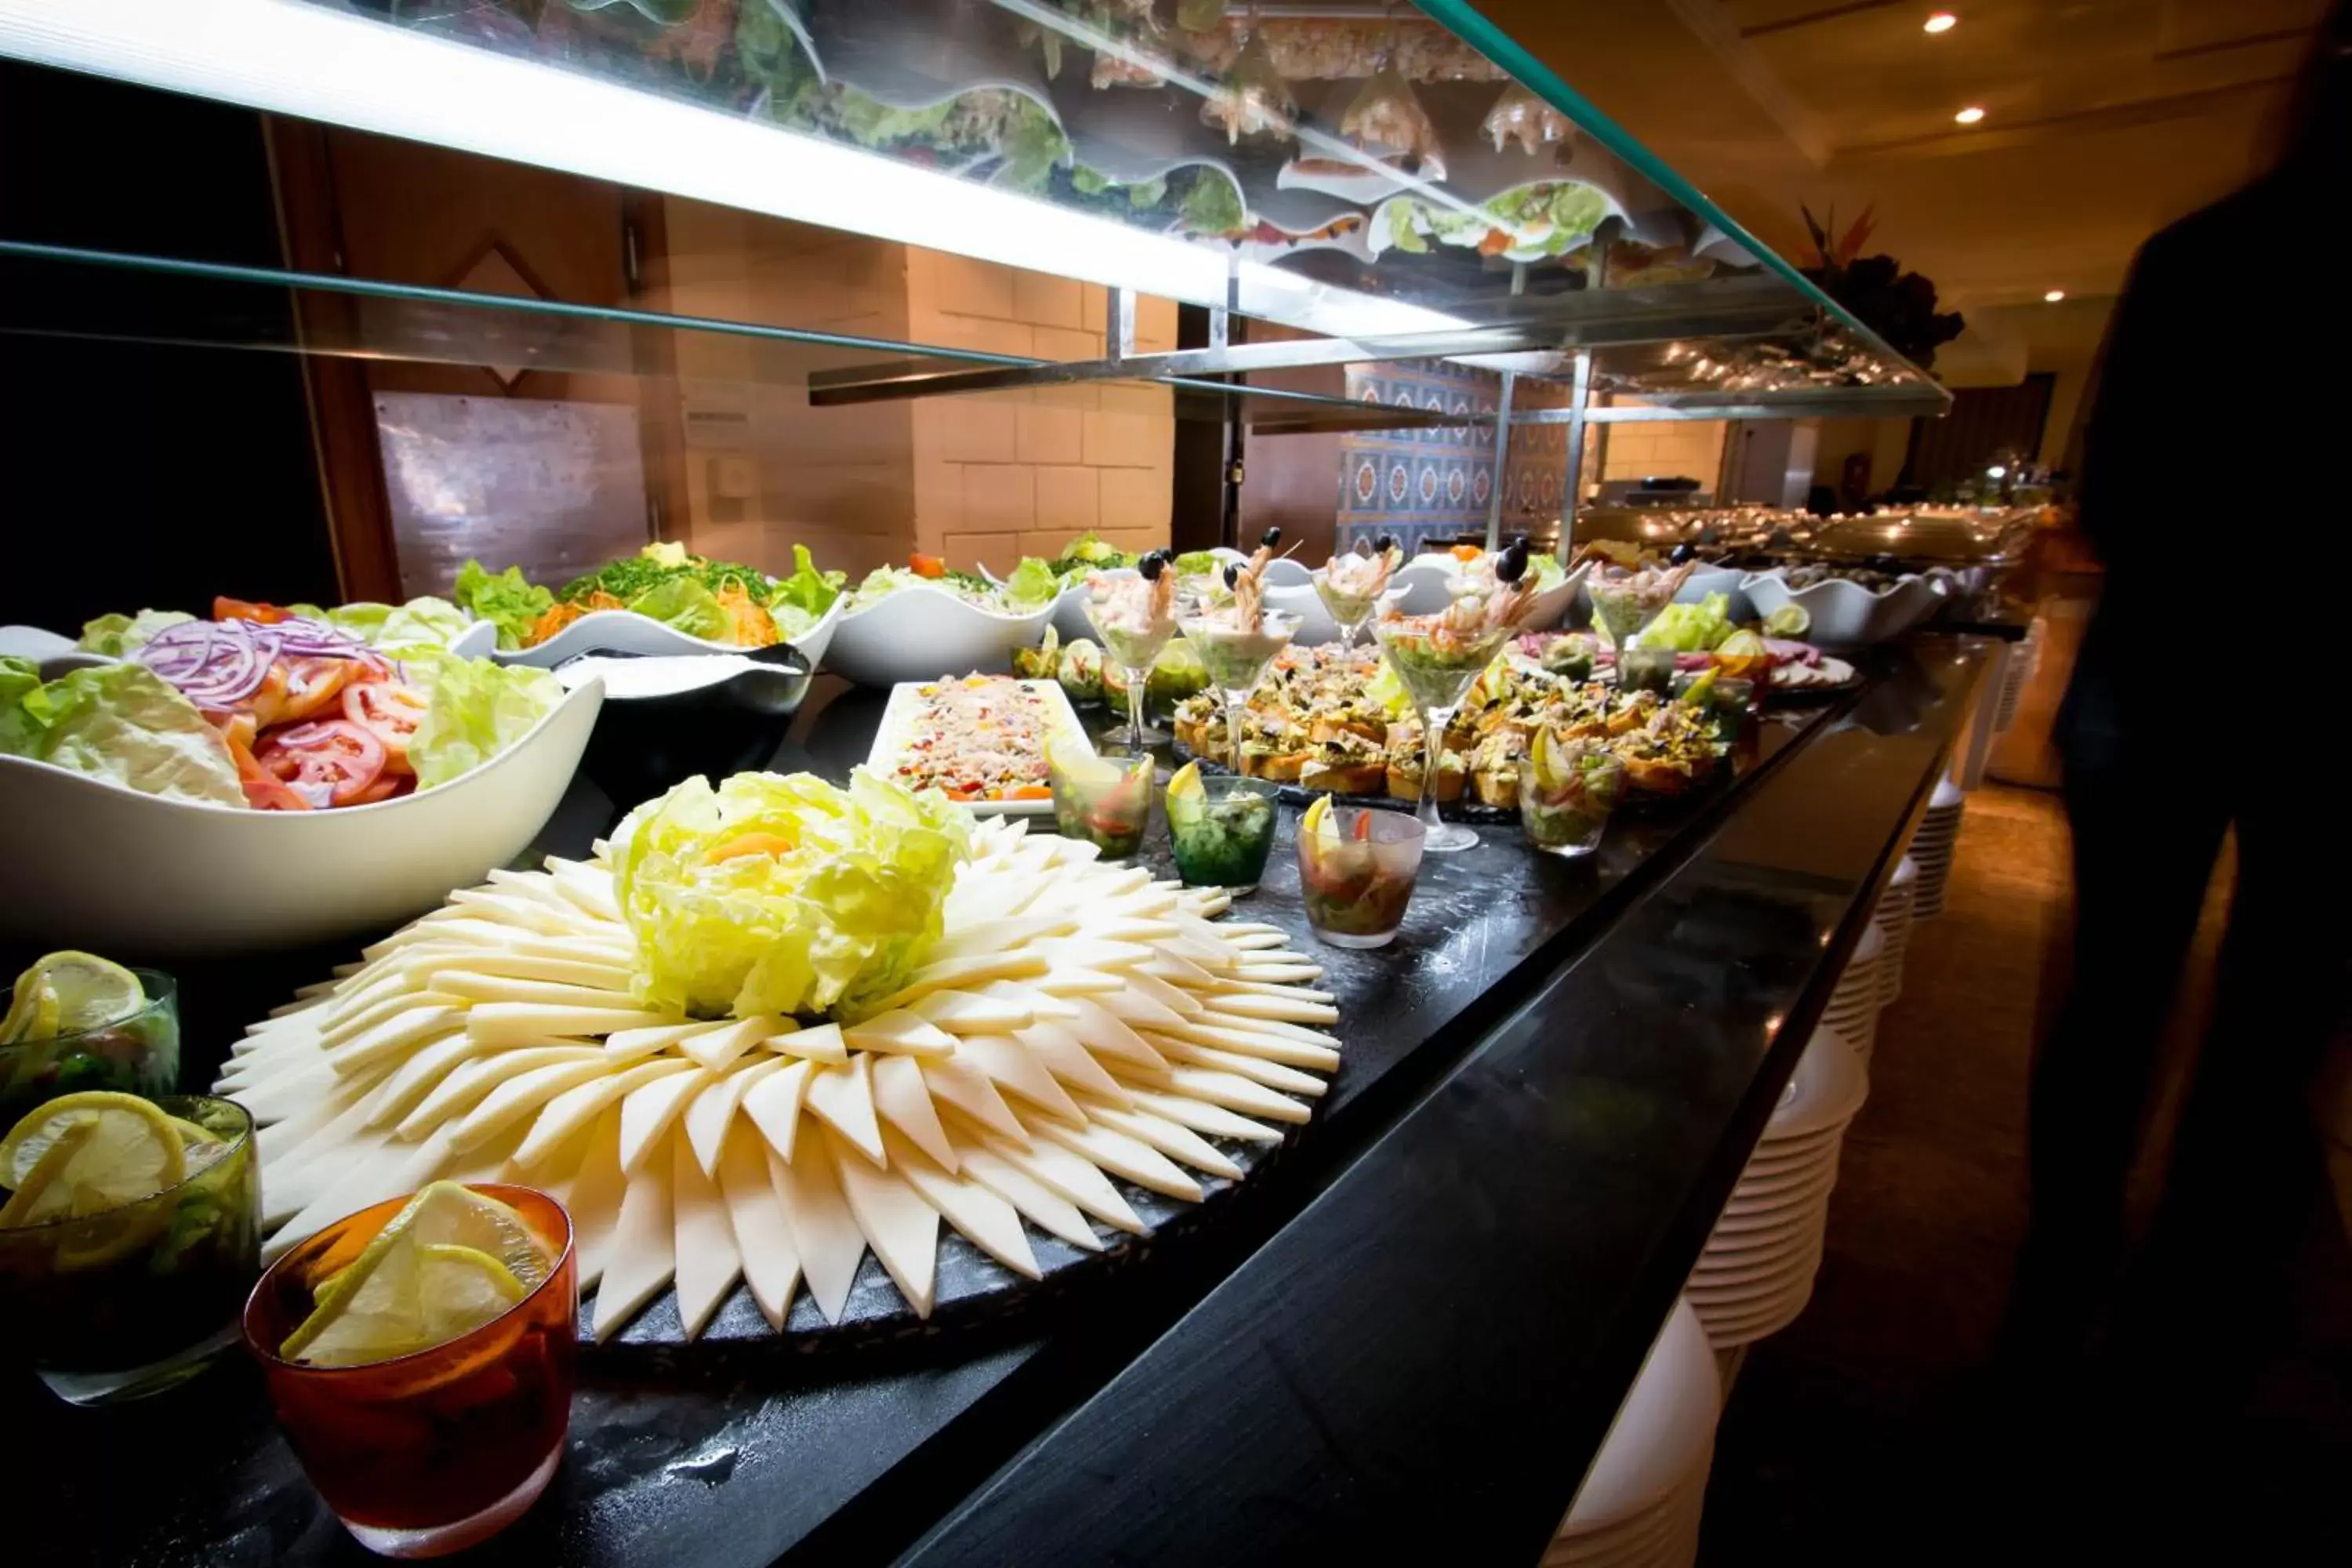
334, 753
388, 710
237, 728
263, 791
227, 609
311, 686
1465, 552
387, 784
923, 565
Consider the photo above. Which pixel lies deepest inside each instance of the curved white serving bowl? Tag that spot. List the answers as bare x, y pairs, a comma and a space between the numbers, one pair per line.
1315, 625
626, 631
479, 640
1286, 573
36, 643
922, 633
1845, 614
95, 864
1427, 587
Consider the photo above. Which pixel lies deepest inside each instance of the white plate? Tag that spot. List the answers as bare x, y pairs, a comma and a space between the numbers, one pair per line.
1761, 1172
1775, 1205
93, 864
1825, 1091
1734, 1246
626, 631
1662, 1430
925, 632
897, 728
1757, 1276
1772, 1184
1760, 1321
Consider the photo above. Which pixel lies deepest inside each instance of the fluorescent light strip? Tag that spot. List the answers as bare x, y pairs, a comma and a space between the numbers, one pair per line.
288, 57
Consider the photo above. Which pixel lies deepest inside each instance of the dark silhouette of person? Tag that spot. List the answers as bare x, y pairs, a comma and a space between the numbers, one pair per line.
2207, 698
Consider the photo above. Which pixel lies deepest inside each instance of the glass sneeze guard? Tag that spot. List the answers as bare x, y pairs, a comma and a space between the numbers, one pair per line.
1372, 177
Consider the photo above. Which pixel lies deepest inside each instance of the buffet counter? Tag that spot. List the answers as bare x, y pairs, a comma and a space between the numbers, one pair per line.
1411, 1329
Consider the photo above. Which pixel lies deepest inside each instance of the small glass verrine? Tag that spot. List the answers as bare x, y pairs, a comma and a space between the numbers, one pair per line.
1103, 797
1221, 829
1567, 791
1645, 669
1236, 652
1356, 871
133, 1298
138, 1055
1134, 617
1437, 658
422, 1454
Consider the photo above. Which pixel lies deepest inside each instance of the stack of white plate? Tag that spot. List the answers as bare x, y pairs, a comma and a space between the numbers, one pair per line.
1640, 1504
1932, 846
1756, 1271
1896, 903
2023, 660
1853, 1006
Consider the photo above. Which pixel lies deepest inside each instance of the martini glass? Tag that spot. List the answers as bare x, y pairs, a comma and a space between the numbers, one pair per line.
1237, 656
1350, 612
1437, 663
1625, 606
1120, 609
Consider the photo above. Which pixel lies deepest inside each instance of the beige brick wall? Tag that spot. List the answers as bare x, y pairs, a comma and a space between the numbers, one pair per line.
1002, 474
1691, 450
987, 478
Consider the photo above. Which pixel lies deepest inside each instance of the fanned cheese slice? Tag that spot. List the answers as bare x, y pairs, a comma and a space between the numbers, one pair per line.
967, 1090
1060, 1051
399, 1035
1007, 934
595, 1203
648, 1111
843, 1098
1132, 1005
495, 1022
1064, 981
1014, 1068
1039, 1004
389, 998
712, 1114
611, 977
773, 1104
827, 1239
1244, 1042
903, 1100
1044, 1208
377, 1169
1177, 1002
719, 1048
1073, 1177
708, 1262
1301, 1008
520, 1095
656, 1038
820, 1043
643, 1255
475, 986
963, 971
973, 1013
285, 1094
574, 1107
902, 1229
771, 1262
901, 1032
1257, 1069
988, 1221
1234, 1092
472, 1083
1171, 1138
1104, 1031
1202, 1116
1174, 970
1109, 1150
416, 1077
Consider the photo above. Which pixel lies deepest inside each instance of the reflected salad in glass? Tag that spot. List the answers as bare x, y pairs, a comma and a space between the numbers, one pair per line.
1567, 790
75, 1021
1103, 797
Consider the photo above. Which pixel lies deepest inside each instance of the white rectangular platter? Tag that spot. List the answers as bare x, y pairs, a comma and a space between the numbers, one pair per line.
897, 726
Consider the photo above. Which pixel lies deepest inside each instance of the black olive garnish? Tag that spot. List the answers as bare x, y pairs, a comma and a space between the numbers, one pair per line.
1270, 538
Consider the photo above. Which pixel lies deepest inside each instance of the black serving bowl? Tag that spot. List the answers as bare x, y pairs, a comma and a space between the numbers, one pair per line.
643, 745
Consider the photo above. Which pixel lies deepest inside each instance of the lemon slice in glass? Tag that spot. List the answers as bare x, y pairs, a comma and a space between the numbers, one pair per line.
447, 1264
68, 993
1186, 783
120, 1149
1788, 621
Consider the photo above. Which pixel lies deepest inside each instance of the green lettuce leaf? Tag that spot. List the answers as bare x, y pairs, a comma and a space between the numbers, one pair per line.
422, 623
1212, 206
475, 710
120, 721
779, 893
1032, 586
685, 604
506, 599
802, 598
1547, 571
1689, 628
118, 637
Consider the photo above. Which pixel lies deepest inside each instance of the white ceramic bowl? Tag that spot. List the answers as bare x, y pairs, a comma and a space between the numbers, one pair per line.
921, 633
92, 864
1315, 625
1723, 580
479, 640
1427, 581
626, 631
1845, 614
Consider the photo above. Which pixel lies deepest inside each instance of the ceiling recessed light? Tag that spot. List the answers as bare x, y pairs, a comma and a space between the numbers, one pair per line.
1939, 22
2053, 297
1969, 115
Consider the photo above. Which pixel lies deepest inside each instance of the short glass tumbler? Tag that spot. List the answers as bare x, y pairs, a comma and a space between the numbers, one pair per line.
1104, 798
1222, 835
426, 1454
138, 1055
130, 1301
1356, 874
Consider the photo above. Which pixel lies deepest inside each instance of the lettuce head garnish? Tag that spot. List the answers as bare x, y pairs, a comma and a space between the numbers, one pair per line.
514, 604
475, 708
119, 637
782, 893
1033, 585
1690, 628
802, 598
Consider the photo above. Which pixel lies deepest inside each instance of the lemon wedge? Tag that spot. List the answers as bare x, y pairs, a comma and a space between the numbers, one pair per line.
1186, 783
449, 1263
118, 1149
1317, 820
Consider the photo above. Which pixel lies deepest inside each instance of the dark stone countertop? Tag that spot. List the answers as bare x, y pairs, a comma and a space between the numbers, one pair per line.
1413, 1326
